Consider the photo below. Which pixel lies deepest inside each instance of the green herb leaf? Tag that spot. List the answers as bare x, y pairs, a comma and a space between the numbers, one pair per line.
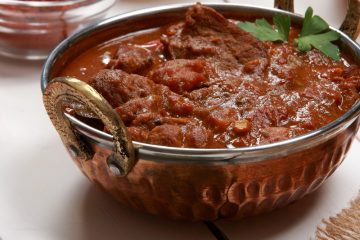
321, 42
262, 30
312, 24
283, 24
313, 34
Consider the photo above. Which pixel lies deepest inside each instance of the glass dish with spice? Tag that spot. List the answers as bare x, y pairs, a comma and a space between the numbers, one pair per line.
31, 29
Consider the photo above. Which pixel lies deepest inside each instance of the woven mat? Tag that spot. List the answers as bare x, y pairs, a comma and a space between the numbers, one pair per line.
345, 225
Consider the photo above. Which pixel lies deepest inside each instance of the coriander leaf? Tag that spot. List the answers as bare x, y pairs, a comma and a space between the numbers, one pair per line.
321, 42
263, 23
312, 24
303, 46
262, 30
313, 34
282, 24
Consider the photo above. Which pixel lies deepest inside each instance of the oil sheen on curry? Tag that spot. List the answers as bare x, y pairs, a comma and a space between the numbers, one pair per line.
205, 83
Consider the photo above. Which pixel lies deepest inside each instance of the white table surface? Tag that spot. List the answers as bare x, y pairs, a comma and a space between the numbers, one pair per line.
43, 196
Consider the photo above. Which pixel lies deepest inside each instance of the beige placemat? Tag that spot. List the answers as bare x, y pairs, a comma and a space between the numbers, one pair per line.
345, 225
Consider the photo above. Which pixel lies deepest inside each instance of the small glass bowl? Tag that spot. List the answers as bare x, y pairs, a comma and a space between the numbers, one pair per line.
31, 29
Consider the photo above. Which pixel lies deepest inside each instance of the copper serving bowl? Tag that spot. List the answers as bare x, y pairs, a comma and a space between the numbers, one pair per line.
185, 183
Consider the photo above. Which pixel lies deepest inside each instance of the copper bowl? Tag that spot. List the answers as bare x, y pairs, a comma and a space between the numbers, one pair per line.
184, 183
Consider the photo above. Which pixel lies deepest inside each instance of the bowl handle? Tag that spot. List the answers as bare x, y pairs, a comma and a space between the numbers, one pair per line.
351, 24
287, 5
62, 90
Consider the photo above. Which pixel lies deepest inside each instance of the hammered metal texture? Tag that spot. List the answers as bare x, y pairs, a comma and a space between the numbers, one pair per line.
209, 192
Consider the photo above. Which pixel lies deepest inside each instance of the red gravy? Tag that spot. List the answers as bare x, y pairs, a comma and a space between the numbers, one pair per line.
205, 83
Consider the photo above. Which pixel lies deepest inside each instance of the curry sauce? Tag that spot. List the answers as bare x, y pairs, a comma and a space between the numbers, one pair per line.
205, 83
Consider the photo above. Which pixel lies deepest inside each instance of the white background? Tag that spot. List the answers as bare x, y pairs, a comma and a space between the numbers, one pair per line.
43, 196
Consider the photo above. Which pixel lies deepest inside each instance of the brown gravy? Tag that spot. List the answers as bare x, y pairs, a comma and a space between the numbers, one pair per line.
204, 83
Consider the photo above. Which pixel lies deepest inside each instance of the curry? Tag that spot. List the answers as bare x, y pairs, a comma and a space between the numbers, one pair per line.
206, 83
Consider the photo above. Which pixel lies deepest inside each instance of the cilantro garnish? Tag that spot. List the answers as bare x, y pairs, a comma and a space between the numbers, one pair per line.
262, 30
315, 33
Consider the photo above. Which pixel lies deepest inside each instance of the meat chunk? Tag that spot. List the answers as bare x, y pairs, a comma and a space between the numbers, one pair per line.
274, 134
167, 135
206, 33
197, 136
173, 102
138, 134
148, 119
151, 110
131, 59
118, 87
221, 118
180, 75
215, 94
135, 107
